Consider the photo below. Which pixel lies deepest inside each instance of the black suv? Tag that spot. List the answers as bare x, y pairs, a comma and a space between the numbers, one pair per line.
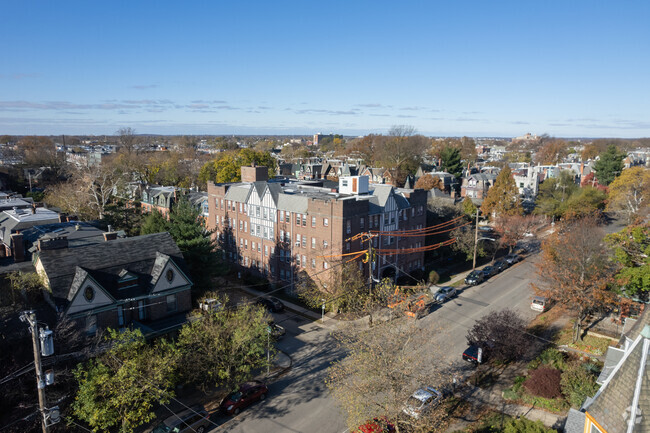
474, 278
271, 304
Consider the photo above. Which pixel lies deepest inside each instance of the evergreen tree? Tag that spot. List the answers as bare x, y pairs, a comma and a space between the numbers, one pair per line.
503, 197
199, 250
154, 222
450, 161
609, 166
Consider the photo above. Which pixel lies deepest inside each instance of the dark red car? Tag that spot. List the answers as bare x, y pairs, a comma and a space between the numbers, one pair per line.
248, 393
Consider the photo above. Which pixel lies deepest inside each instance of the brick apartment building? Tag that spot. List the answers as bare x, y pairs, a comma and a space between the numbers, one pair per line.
280, 228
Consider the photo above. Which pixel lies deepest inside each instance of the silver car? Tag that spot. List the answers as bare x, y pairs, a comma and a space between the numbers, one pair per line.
444, 293
422, 400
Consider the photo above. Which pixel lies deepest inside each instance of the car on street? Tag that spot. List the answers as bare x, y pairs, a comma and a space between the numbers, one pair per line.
501, 265
444, 293
490, 271
376, 425
539, 303
276, 330
247, 394
195, 419
271, 303
475, 277
512, 259
475, 354
422, 401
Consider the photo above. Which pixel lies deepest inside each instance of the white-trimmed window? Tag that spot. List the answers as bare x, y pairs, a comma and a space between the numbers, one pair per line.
326, 222
313, 242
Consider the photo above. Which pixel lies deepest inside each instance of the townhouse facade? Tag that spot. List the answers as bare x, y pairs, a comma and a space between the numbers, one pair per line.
287, 230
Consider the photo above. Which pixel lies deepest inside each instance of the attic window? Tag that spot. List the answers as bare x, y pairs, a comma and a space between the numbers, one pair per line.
170, 275
89, 293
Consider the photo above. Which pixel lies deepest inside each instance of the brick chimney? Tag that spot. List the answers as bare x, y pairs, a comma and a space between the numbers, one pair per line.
254, 173
18, 247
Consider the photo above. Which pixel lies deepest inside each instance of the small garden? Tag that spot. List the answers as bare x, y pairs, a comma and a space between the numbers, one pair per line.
555, 382
495, 422
589, 343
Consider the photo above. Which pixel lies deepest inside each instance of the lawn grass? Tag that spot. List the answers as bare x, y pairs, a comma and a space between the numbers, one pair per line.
590, 344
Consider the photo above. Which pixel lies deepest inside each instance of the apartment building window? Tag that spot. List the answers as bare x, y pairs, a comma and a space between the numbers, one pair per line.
257, 211
287, 217
313, 263
253, 245
241, 225
313, 221
304, 220
265, 214
392, 217
298, 260
266, 233
348, 227
216, 220
304, 261
362, 223
324, 244
246, 244
297, 239
246, 261
171, 303
254, 263
281, 235
412, 211
241, 243
234, 223
287, 237
259, 247
221, 204
313, 242
241, 207
304, 241
325, 265
281, 215
272, 250
386, 240
347, 247
282, 274
326, 222
258, 230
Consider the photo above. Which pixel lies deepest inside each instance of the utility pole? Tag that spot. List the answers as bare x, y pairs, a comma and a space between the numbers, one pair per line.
475, 240
369, 237
30, 318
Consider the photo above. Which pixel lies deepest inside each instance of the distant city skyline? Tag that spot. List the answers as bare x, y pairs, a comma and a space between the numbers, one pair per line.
567, 69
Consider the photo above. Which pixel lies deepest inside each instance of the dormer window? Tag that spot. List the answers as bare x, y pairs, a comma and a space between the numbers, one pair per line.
127, 279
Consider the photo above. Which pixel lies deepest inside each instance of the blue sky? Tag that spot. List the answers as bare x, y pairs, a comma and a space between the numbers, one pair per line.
566, 68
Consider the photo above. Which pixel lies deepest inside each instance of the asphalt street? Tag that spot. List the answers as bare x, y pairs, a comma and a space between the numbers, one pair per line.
299, 400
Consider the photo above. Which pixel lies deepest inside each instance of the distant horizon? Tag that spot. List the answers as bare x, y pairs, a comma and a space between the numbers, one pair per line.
466, 68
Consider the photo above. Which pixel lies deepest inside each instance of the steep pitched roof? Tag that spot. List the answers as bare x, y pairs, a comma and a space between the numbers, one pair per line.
623, 402
106, 261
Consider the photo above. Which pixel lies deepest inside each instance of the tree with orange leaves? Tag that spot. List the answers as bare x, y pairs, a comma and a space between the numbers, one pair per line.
511, 228
576, 270
429, 182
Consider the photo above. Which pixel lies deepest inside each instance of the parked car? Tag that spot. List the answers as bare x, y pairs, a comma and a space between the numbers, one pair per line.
272, 304
475, 277
377, 425
195, 419
248, 393
475, 354
512, 258
539, 303
489, 271
277, 331
444, 293
422, 400
501, 265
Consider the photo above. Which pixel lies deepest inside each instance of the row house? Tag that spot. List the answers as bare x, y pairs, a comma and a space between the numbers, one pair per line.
477, 185
281, 230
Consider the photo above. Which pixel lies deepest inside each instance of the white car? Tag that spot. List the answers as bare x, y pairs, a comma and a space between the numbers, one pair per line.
422, 400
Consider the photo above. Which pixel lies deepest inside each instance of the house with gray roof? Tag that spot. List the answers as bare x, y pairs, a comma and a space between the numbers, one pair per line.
140, 281
14, 222
622, 404
477, 185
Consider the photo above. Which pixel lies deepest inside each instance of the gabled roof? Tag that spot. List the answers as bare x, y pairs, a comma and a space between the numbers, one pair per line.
238, 192
622, 404
106, 261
